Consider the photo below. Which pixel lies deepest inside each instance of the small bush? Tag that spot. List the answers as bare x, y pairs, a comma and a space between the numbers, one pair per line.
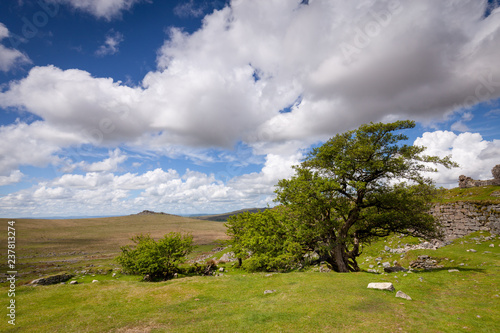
155, 259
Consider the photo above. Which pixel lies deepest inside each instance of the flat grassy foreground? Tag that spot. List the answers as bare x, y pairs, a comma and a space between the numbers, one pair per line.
305, 301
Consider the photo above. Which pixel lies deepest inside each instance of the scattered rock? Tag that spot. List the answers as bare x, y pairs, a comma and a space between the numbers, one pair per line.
425, 262
492, 245
401, 294
381, 286
221, 269
269, 291
386, 264
372, 271
471, 250
268, 275
74, 282
54, 279
324, 267
395, 269
453, 270
434, 245
228, 257
94, 281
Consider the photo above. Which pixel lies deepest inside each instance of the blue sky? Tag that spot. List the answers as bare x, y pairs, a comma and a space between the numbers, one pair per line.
110, 107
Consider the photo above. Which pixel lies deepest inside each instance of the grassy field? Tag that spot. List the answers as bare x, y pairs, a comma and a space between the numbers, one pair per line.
305, 301
482, 193
49, 246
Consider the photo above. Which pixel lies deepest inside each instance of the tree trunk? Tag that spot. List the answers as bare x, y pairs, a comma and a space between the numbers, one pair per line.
340, 258
345, 262
353, 254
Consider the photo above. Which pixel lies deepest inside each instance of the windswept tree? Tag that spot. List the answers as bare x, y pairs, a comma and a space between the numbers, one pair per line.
358, 186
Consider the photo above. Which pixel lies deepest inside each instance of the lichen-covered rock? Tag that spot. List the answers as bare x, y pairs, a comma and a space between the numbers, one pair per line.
54, 279
401, 294
381, 286
228, 257
394, 269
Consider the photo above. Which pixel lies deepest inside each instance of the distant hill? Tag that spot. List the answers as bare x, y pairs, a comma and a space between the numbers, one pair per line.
223, 217
150, 212
106, 235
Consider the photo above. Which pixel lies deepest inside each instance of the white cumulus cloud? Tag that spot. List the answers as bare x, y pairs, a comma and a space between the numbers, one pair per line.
111, 44
105, 9
475, 156
9, 58
14, 177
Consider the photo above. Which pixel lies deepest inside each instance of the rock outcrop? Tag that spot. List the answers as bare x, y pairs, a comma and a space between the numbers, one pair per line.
54, 279
466, 182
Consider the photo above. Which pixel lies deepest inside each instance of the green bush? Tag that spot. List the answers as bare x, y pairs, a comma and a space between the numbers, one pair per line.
155, 259
264, 241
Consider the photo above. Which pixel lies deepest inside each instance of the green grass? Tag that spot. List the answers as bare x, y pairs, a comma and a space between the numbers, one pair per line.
481, 193
305, 301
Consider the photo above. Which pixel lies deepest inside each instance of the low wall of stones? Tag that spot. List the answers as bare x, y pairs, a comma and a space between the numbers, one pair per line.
461, 218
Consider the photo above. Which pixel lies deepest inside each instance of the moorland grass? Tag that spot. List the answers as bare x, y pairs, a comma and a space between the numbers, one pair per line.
303, 301
306, 301
46, 247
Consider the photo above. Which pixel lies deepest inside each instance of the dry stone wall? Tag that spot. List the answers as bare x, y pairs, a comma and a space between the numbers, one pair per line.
461, 218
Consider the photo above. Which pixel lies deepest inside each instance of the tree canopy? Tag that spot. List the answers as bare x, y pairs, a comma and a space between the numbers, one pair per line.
156, 259
359, 185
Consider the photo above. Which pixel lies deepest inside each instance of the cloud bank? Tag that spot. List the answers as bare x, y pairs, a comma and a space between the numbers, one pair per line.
277, 76
229, 80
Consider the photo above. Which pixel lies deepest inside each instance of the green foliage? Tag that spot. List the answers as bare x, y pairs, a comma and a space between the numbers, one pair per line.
156, 259
358, 186
268, 237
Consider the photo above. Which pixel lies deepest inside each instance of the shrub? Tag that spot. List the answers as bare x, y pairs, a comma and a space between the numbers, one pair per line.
266, 241
155, 259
